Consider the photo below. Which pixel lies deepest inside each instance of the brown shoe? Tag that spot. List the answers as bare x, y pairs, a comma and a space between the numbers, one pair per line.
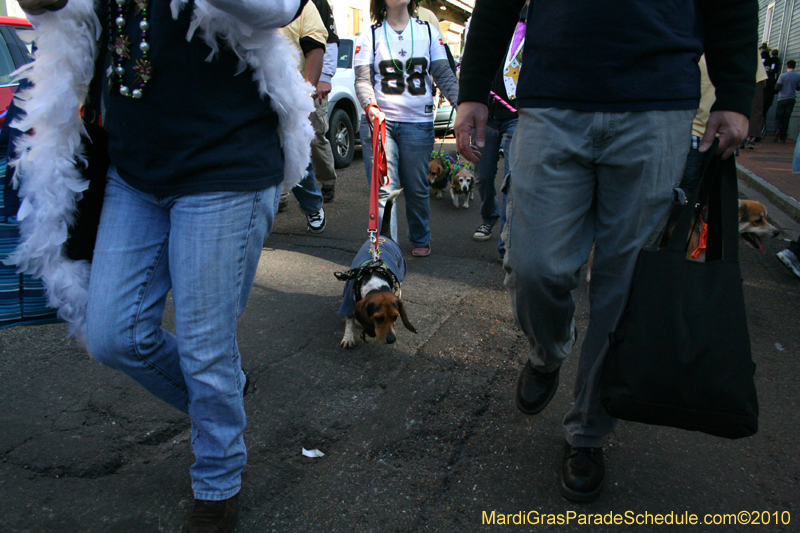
214, 516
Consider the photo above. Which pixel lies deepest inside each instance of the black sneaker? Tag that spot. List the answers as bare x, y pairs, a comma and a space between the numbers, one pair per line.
316, 221
483, 233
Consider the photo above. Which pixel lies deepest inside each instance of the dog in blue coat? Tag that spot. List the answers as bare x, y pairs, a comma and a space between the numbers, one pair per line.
372, 292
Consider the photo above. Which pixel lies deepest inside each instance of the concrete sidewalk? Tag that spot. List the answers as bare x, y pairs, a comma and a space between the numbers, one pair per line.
768, 169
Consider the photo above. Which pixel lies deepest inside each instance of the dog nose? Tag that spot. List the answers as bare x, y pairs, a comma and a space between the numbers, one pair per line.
390, 338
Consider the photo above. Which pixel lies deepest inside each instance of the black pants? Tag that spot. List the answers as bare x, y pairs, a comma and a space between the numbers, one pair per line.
783, 112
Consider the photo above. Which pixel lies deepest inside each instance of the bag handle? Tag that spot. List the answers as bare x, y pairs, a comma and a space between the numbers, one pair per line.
723, 231
717, 189
679, 240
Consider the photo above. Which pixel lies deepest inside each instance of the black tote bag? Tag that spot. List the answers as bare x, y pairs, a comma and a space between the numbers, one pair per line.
680, 355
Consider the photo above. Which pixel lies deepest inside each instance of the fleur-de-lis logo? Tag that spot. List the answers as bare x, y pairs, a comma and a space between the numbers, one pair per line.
144, 70
141, 5
122, 46
403, 53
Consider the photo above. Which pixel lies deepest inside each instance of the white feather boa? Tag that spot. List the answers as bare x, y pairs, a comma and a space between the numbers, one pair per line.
50, 185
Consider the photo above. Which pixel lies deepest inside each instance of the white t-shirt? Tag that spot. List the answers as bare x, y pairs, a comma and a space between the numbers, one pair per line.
402, 83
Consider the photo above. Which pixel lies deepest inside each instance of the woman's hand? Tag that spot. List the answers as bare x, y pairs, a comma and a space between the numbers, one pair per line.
375, 112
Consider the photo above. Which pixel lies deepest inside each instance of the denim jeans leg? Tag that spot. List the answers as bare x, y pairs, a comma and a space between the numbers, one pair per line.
501, 247
507, 130
123, 326
414, 141
486, 173
308, 194
366, 147
214, 246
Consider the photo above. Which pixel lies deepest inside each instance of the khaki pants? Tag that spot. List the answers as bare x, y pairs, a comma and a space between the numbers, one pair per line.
321, 155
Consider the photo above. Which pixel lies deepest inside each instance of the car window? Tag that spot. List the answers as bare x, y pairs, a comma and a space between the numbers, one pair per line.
345, 53
25, 35
6, 63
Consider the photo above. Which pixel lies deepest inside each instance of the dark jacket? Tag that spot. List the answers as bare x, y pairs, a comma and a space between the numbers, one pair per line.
617, 55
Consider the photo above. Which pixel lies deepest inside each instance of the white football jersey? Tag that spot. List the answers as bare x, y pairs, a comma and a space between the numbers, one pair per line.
401, 81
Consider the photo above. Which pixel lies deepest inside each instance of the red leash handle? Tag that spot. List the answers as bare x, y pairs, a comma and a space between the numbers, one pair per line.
379, 171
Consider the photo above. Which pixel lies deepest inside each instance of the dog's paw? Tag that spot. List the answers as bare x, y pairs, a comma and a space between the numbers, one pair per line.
439, 195
348, 343
466, 205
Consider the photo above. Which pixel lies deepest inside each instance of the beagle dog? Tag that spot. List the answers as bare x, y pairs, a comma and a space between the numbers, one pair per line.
372, 292
441, 168
463, 184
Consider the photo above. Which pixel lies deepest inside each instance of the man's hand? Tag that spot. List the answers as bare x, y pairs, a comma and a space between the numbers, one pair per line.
37, 7
323, 90
471, 115
732, 129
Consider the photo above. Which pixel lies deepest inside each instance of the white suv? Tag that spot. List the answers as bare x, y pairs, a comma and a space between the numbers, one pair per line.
344, 111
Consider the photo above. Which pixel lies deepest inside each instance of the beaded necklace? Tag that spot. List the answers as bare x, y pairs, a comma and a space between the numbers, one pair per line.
120, 44
386, 37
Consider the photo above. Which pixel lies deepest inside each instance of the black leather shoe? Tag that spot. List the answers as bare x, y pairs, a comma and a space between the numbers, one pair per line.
582, 473
214, 517
535, 389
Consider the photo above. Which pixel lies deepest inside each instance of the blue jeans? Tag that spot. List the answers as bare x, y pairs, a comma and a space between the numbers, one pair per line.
497, 134
205, 248
308, 195
408, 150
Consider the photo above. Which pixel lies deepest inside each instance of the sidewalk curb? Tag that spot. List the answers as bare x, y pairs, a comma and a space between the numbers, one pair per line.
782, 201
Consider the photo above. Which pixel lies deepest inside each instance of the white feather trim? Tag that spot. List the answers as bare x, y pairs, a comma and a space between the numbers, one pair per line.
50, 185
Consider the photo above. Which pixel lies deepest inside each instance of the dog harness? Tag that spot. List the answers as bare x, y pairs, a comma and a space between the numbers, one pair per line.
392, 267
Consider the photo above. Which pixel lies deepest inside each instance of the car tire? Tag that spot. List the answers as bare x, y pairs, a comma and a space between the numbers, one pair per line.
342, 136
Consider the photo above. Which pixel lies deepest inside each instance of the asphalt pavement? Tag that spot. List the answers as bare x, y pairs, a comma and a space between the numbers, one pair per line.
420, 435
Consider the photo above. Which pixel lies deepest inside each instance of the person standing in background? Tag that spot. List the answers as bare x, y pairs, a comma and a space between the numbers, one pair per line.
787, 87
321, 154
308, 34
394, 63
772, 65
500, 127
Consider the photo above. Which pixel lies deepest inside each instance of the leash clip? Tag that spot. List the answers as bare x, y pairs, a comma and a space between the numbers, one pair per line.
374, 248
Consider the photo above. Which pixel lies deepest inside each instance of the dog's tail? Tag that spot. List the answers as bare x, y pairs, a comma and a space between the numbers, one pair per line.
386, 222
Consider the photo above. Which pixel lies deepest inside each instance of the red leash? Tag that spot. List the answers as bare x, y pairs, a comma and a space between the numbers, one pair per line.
379, 178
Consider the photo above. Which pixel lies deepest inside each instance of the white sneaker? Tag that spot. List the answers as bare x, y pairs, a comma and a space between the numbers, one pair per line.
788, 258
483, 233
316, 221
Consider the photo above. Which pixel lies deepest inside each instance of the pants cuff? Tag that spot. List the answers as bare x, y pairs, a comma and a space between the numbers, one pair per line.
216, 496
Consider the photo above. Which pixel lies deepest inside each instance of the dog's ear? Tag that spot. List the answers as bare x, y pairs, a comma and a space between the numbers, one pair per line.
743, 212
363, 315
404, 317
